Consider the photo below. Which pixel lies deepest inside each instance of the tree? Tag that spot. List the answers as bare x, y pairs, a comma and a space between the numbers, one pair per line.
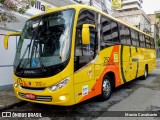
158, 42
157, 14
7, 7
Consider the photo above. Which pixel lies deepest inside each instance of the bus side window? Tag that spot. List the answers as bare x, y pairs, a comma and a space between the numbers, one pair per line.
109, 32
148, 42
134, 38
152, 43
106, 37
85, 53
128, 36
124, 35
142, 41
114, 29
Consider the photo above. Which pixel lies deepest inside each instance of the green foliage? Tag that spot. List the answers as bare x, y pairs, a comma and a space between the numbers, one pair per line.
7, 7
158, 15
158, 42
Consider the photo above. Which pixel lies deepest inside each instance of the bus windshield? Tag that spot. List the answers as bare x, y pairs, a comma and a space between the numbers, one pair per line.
45, 40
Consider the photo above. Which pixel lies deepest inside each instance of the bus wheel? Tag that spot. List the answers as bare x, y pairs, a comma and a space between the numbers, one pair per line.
106, 88
145, 73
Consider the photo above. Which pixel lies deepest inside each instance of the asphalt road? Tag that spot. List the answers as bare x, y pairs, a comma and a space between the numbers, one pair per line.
138, 95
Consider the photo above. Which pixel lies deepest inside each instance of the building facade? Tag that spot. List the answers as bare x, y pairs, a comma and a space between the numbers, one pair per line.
7, 56
131, 5
131, 12
154, 26
155, 30
103, 5
137, 18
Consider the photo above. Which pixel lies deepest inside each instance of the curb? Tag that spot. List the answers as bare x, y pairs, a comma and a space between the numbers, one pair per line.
4, 107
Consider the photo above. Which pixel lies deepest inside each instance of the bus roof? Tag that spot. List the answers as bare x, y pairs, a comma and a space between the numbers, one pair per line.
78, 6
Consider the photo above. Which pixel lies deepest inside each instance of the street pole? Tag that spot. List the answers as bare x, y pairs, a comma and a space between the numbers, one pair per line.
103, 4
90, 2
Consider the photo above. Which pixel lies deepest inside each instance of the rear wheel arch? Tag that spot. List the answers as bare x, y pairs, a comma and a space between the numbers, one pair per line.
112, 77
107, 85
146, 66
145, 75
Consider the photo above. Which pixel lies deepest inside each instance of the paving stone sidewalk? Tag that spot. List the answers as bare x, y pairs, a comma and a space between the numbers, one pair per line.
8, 99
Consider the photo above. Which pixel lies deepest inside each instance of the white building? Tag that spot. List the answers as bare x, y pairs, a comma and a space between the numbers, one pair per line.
7, 56
99, 4
103, 5
131, 5
132, 12
155, 30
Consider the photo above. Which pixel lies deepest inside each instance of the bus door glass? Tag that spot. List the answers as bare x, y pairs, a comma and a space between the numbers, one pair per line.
134, 54
84, 56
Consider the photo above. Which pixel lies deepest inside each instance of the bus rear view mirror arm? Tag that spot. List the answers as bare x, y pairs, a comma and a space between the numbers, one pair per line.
6, 37
86, 33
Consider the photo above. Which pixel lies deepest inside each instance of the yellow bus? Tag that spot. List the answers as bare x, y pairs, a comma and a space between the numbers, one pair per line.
70, 54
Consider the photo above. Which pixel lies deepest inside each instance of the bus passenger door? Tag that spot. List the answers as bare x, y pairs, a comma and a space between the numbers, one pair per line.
127, 64
84, 67
134, 62
134, 54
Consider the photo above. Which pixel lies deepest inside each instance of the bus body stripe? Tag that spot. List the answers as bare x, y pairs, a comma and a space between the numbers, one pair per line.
137, 64
122, 72
110, 67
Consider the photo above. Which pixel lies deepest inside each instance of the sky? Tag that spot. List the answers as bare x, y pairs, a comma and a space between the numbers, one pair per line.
149, 6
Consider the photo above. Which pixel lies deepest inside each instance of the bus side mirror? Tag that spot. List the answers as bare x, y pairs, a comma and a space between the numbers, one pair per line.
6, 37
86, 33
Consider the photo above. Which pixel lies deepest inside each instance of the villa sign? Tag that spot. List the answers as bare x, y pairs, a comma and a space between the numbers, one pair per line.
39, 7
116, 4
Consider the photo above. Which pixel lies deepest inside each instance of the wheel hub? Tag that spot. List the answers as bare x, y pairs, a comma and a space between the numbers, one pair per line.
106, 87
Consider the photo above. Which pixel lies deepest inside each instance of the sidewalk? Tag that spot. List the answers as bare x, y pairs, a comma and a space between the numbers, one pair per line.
8, 99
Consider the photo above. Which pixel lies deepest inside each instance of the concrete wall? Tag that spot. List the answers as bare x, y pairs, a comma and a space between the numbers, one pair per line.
145, 23
7, 56
155, 31
6, 61
130, 4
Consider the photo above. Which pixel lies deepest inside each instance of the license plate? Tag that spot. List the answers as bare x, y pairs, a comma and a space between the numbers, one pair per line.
30, 96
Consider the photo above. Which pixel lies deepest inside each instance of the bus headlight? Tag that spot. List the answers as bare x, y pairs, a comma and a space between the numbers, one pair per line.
15, 84
59, 85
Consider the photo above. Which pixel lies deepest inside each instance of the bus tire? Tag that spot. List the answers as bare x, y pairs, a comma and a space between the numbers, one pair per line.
144, 77
106, 88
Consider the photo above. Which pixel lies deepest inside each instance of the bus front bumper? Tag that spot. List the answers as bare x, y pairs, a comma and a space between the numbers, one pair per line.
62, 97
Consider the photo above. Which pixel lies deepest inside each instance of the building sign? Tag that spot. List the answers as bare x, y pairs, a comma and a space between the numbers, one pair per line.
39, 7
116, 4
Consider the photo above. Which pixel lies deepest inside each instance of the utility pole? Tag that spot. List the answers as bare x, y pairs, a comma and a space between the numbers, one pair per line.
104, 7
90, 2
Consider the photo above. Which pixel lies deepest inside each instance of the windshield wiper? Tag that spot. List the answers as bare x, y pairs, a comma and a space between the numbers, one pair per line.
29, 47
34, 50
18, 66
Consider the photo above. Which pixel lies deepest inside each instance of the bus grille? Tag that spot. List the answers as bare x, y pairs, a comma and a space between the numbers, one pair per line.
38, 97
32, 88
